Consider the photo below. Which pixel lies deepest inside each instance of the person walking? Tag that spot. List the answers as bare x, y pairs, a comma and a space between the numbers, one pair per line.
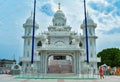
101, 72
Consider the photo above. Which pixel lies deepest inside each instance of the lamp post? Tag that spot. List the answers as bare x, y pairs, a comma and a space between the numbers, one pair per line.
33, 33
86, 32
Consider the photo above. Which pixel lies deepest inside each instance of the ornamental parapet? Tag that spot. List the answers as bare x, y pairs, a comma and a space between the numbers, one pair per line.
59, 28
56, 47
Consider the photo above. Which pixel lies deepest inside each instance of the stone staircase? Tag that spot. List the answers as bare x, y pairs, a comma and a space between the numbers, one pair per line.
60, 69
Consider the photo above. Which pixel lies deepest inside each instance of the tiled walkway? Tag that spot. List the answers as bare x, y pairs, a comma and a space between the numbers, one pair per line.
9, 78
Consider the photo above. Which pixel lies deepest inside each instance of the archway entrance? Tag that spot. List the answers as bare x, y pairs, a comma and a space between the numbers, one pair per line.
60, 64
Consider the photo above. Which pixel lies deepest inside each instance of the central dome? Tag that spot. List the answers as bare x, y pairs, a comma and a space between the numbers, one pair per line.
59, 19
59, 13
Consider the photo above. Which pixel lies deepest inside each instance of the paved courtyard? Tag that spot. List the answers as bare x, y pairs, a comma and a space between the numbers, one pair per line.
9, 78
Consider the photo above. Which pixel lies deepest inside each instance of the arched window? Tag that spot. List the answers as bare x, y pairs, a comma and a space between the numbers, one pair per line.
70, 42
27, 53
59, 43
39, 53
90, 31
29, 31
28, 42
80, 44
39, 43
91, 55
91, 42
48, 41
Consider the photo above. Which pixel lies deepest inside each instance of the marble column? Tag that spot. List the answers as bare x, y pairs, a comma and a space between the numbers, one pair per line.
45, 63
74, 63
42, 68
41, 63
77, 57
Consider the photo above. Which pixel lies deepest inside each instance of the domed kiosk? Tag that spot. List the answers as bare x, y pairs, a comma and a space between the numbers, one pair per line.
16, 69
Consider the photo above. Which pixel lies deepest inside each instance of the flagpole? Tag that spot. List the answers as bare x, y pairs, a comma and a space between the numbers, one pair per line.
86, 32
33, 33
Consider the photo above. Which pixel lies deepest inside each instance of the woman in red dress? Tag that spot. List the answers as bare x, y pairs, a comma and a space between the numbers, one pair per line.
101, 72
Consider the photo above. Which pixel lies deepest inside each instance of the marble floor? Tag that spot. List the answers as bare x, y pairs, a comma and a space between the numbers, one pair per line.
9, 78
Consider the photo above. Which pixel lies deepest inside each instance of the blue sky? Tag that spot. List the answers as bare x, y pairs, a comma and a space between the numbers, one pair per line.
13, 13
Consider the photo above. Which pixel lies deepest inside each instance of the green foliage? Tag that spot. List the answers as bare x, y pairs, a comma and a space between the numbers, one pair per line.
110, 56
20, 63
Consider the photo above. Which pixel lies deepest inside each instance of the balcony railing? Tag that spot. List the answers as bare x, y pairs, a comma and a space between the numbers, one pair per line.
95, 59
91, 59
29, 58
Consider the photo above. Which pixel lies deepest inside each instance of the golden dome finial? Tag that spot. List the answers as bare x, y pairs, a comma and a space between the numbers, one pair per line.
58, 5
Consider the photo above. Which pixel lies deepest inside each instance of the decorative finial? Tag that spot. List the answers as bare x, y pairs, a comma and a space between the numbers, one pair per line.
59, 6
31, 13
87, 13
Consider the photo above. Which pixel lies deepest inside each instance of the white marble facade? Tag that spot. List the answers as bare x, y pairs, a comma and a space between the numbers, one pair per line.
59, 40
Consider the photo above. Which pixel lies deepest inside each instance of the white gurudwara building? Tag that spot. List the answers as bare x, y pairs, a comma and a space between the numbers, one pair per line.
59, 50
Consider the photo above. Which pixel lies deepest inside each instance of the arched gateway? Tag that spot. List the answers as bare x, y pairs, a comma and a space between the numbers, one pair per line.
60, 61
59, 50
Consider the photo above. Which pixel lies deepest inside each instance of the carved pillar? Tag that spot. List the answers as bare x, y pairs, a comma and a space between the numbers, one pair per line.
74, 63
41, 64
77, 62
45, 63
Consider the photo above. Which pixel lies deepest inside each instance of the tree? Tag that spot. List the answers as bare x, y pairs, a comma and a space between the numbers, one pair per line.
110, 56
20, 63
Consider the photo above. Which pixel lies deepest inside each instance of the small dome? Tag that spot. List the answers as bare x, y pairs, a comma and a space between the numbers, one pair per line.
59, 13
16, 67
29, 20
89, 20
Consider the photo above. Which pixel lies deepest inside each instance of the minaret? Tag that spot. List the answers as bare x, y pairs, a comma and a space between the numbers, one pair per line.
28, 25
91, 39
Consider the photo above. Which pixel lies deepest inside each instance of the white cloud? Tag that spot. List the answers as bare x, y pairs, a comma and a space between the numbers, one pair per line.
73, 13
109, 21
108, 41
